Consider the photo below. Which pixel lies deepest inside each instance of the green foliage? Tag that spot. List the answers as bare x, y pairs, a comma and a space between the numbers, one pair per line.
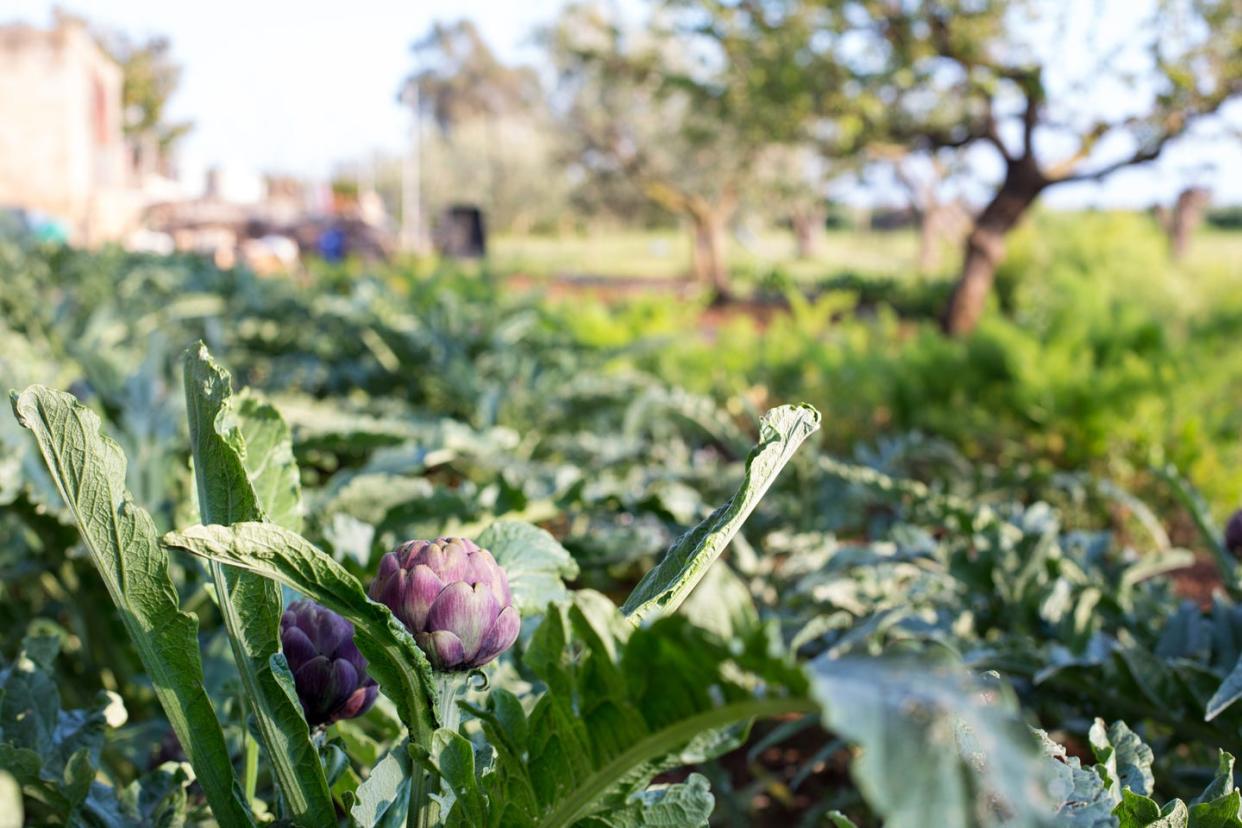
536, 564
89, 471
905, 614
241, 449
663, 589
281, 555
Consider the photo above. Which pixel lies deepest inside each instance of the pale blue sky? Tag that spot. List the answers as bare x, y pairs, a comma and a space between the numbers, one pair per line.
294, 85
299, 85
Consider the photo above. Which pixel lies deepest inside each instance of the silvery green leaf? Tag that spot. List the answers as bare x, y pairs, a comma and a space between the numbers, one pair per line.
89, 471
244, 470
663, 589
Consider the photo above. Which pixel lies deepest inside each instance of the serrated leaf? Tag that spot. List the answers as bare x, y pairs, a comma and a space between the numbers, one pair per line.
227, 468
268, 457
662, 590
89, 471
535, 562
453, 758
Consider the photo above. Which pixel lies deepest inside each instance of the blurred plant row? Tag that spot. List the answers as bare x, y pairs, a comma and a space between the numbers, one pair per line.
906, 632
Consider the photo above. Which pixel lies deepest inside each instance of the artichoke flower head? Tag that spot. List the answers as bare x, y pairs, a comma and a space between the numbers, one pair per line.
453, 597
329, 673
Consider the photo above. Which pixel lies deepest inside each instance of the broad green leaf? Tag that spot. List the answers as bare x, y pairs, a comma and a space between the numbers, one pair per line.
686, 805
52, 753
227, 468
89, 471
1138, 811
158, 799
1123, 757
621, 705
1221, 784
535, 562
1082, 796
267, 452
395, 661
384, 798
840, 820
1230, 691
964, 757
1221, 812
722, 603
663, 589
453, 758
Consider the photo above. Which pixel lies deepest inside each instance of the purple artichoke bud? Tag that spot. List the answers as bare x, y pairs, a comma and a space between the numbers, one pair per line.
1233, 534
453, 597
328, 671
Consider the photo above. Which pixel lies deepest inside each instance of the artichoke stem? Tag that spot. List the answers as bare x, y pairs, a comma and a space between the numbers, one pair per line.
449, 686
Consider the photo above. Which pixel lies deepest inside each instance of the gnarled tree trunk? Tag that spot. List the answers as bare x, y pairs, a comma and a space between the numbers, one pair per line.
808, 227
985, 245
1185, 218
709, 263
940, 222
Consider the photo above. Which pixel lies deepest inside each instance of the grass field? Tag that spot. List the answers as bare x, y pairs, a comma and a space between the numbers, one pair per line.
666, 254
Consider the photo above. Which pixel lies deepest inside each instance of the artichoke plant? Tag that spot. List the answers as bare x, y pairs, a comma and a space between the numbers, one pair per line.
1233, 534
329, 673
453, 597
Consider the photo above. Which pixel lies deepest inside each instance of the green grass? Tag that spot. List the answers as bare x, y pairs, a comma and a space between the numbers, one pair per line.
1214, 261
665, 254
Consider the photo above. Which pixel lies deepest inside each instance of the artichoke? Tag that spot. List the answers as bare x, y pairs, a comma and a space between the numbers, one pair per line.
329, 673
1233, 534
453, 597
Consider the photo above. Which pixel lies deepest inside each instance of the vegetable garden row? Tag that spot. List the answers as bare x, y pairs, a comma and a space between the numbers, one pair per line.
402, 551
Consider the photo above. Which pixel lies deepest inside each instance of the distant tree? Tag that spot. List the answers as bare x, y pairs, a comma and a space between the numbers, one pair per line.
1185, 217
1041, 82
654, 107
792, 186
460, 79
928, 180
494, 145
1013, 76
150, 78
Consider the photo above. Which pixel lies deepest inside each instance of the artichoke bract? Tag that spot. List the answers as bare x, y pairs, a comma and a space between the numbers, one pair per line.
453, 597
1233, 534
329, 673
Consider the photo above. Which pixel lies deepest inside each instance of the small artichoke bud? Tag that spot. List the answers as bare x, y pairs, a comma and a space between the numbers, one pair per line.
1233, 534
328, 671
453, 597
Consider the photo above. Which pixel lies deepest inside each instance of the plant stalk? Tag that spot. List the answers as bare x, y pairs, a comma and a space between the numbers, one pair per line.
423, 812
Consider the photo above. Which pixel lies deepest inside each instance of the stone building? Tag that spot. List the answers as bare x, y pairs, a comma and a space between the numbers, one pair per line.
62, 147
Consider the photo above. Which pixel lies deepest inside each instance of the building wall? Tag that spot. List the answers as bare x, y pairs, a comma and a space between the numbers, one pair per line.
62, 149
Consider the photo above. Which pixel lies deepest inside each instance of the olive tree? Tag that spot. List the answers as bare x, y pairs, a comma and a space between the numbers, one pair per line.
1060, 92
1042, 84
652, 107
